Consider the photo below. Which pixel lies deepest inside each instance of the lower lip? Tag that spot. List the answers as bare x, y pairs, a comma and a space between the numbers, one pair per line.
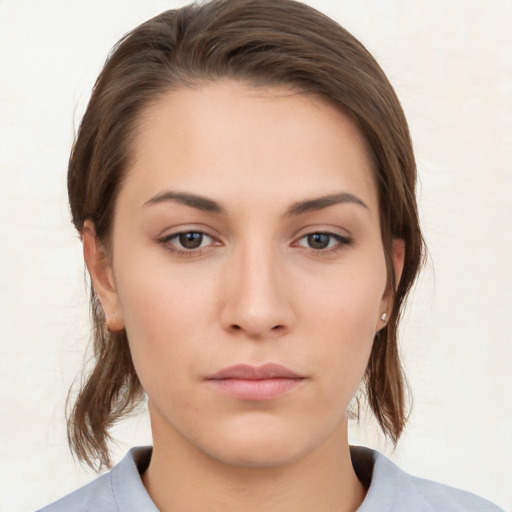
260, 389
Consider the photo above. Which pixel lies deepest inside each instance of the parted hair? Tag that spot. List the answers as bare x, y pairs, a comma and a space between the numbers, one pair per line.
262, 43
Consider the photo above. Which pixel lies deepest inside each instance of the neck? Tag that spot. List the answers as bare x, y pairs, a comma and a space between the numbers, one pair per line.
180, 477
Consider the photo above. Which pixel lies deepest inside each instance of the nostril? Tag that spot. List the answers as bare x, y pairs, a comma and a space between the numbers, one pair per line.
277, 327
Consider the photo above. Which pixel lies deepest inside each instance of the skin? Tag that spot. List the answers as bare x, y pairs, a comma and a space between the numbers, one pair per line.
255, 291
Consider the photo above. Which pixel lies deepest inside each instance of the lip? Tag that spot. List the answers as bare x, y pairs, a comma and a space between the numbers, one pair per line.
248, 372
255, 383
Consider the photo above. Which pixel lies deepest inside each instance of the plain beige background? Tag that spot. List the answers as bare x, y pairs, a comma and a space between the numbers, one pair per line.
451, 63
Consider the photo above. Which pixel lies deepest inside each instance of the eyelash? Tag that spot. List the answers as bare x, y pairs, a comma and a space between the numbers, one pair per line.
341, 243
167, 243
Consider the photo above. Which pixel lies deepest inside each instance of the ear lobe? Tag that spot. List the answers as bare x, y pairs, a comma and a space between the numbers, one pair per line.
102, 279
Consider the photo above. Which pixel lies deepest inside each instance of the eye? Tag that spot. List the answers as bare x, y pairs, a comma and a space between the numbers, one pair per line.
191, 240
323, 241
187, 241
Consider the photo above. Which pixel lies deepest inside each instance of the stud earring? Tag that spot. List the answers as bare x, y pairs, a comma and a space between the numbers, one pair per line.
384, 316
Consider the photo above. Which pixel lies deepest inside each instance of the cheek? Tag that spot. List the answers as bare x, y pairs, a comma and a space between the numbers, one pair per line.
344, 313
347, 300
161, 316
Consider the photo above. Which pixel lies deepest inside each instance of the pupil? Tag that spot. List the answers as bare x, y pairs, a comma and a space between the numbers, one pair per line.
318, 241
191, 240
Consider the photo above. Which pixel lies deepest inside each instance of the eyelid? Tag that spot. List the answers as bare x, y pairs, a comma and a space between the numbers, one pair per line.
327, 229
183, 228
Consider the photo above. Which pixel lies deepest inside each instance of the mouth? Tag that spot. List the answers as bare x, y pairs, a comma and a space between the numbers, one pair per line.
255, 383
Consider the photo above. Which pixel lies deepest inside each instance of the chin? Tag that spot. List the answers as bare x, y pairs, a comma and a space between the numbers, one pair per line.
262, 446
256, 454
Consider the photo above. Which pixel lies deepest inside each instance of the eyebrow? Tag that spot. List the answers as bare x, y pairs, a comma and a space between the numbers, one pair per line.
192, 200
318, 203
209, 205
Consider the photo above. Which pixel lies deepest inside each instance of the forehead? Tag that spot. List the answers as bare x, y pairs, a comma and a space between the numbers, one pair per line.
233, 140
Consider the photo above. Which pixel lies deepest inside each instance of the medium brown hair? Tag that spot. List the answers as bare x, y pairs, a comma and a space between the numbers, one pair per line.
263, 43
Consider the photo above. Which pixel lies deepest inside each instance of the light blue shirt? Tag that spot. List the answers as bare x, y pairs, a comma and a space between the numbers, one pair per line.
390, 489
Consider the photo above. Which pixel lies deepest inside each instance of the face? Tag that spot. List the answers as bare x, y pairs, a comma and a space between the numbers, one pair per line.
248, 270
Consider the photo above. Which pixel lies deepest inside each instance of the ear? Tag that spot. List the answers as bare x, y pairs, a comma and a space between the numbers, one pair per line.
398, 254
102, 278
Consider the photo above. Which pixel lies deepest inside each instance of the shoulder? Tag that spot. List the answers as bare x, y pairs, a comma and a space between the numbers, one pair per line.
119, 489
392, 489
96, 495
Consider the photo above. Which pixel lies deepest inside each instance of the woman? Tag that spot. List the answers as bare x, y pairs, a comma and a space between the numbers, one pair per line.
244, 185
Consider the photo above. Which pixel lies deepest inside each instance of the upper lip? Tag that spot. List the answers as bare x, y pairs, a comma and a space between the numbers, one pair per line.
248, 372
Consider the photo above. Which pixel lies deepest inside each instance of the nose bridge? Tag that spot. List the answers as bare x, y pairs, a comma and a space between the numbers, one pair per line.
256, 300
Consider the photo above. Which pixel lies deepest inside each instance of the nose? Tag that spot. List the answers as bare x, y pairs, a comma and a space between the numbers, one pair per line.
257, 300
